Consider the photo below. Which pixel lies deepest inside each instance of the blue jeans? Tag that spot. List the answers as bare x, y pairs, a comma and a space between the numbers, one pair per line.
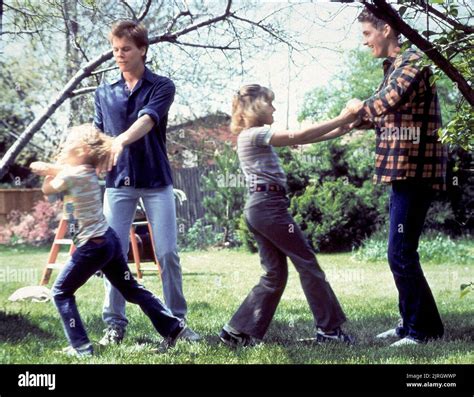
105, 255
409, 203
119, 209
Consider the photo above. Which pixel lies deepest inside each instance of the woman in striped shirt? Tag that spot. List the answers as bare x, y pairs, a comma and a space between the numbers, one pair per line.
278, 236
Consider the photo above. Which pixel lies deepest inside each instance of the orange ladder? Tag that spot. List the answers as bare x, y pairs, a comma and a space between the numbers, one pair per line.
60, 240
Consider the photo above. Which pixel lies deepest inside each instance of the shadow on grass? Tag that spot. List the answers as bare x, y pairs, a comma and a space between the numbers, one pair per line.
14, 328
458, 327
205, 274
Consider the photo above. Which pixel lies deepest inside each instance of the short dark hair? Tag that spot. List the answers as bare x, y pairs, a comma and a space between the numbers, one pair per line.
377, 23
133, 31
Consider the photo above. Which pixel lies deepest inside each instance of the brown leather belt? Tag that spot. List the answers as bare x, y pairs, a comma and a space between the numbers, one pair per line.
264, 187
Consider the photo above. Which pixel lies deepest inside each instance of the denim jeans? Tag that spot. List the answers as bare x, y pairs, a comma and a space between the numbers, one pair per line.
279, 237
409, 203
106, 256
119, 209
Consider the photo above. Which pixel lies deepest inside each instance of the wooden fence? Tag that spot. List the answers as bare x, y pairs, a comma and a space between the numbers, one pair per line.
17, 199
189, 180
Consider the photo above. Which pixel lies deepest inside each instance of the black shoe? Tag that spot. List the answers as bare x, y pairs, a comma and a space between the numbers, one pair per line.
169, 342
232, 338
336, 335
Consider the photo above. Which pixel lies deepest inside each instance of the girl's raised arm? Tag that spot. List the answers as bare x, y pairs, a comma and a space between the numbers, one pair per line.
336, 126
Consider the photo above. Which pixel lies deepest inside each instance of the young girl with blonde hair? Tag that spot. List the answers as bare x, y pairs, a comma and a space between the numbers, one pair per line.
278, 236
97, 244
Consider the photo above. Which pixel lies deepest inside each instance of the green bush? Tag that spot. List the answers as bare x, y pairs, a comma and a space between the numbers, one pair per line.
199, 236
336, 215
437, 248
224, 201
245, 236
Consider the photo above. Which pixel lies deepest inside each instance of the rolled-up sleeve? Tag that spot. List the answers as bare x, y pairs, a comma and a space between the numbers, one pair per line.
399, 86
98, 118
161, 98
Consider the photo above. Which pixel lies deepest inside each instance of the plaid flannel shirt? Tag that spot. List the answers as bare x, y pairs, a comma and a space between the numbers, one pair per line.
406, 115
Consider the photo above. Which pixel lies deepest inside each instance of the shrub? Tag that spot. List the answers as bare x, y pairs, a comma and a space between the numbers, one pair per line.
35, 228
245, 235
336, 215
225, 189
435, 248
199, 236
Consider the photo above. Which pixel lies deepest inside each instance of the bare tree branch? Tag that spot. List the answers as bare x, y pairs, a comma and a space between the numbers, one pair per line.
36, 124
16, 136
26, 13
81, 74
451, 21
20, 32
130, 9
213, 47
82, 91
100, 71
145, 10
176, 17
263, 27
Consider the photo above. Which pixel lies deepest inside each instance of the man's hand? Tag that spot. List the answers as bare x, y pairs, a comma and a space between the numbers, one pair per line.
41, 168
355, 123
347, 115
354, 105
115, 151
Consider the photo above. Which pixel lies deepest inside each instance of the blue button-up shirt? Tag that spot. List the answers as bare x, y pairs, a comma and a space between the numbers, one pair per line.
144, 163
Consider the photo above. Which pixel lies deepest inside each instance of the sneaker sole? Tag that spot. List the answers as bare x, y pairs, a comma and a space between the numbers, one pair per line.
227, 343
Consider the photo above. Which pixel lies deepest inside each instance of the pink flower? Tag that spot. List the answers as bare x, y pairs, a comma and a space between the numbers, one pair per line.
36, 228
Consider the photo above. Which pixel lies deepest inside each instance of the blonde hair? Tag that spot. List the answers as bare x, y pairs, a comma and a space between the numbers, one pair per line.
247, 106
98, 143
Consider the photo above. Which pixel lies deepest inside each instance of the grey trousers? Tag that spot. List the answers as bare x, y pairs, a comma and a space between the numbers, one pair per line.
279, 237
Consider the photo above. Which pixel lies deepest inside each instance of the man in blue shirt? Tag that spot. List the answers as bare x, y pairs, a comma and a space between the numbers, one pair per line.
134, 110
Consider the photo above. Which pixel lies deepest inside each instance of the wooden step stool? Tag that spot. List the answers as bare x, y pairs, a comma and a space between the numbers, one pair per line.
60, 240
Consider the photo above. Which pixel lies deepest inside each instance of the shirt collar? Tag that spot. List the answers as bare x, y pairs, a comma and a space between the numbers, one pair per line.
389, 60
148, 75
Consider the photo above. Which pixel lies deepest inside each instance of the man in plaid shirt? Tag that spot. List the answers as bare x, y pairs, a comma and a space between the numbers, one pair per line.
406, 115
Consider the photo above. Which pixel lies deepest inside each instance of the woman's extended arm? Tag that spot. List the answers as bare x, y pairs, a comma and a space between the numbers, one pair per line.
335, 127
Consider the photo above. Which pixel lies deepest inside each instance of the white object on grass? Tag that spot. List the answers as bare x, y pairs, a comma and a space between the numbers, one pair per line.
35, 293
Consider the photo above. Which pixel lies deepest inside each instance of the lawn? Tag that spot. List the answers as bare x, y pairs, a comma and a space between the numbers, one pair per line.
215, 283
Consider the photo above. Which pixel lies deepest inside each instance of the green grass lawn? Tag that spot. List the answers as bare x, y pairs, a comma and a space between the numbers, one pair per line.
215, 283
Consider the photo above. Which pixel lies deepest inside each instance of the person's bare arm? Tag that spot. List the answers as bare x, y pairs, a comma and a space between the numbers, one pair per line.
312, 133
336, 127
42, 168
336, 133
47, 188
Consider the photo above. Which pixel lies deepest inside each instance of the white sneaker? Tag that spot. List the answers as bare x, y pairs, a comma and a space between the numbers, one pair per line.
113, 335
405, 342
391, 333
83, 351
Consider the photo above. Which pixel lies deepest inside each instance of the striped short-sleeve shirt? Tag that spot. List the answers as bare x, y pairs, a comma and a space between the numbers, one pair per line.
258, 160
82, 203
